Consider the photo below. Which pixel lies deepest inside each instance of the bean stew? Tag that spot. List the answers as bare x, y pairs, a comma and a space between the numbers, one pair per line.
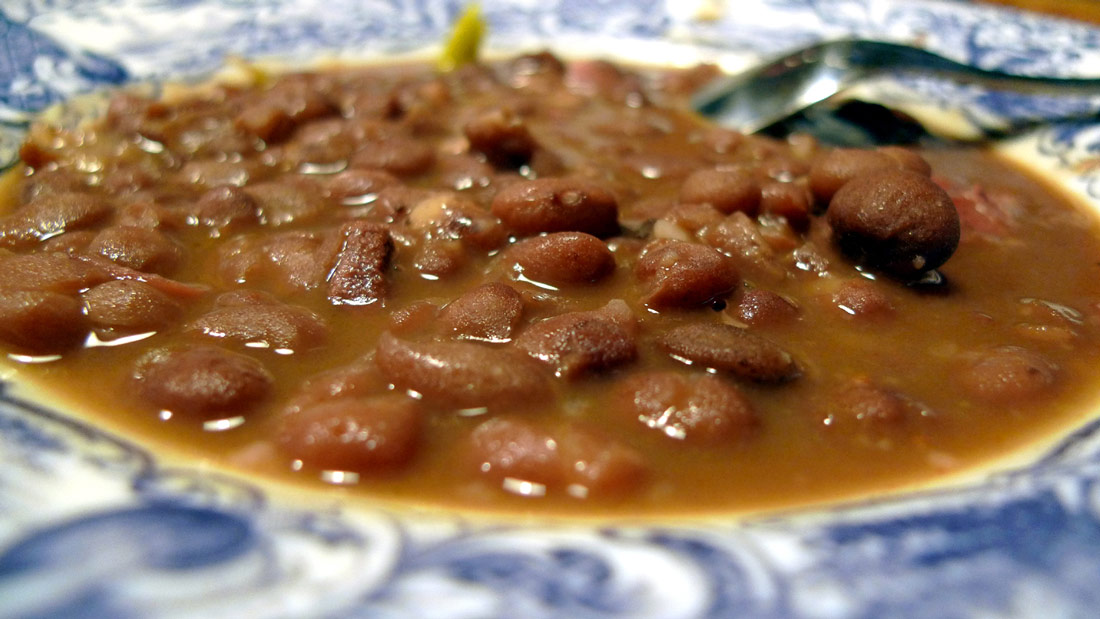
533, 285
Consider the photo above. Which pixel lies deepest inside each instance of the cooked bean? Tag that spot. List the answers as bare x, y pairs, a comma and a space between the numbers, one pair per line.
895, 220
138, 248
291, 200
791, 201
286, 262
861, 407
41, 321
463, 374
361, 434
583, 342
1010, 374
130, 305
50, 215
491, 312
354, 186
831, 172
201, 381
398, 155
224, 210
701, 409
763, 308
562, 258
682, 274
359, 277
274, 326
557, 205
863, 299
584, 463
730, 349
725, 190
502, 137
54, 272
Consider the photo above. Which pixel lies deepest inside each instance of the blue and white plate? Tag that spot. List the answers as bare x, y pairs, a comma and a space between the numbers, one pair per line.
94, 525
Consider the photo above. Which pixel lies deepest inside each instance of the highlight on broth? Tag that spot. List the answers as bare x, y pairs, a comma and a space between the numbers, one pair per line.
537, 285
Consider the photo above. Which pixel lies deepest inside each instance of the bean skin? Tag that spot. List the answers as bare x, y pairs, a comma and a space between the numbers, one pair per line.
1009, 374
557, 205
702, 409
730, 349
562, 258
679, 274
201, 382
463, 374
725, 190
583, 342
40, 321
491, 312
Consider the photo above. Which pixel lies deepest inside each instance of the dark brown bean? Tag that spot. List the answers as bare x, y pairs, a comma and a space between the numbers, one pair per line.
141, 249
270, 326
730, 349
502, 137
359, 277
557, 205
562, 258
201, 381
895, 220
367, 435
289, 200
583, 342
40, 322
224, 210
682, 274
50, 215
791, 201
130, 305
863, 299
403, 156
865, 409
1009, 374
463, 374
491, 312
764, 308
832, 171
725, 190
54, 272
700, 409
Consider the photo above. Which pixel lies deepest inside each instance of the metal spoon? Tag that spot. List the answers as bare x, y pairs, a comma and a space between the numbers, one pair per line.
759, 97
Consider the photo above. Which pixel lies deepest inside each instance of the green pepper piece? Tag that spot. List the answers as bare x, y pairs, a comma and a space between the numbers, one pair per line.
465, 40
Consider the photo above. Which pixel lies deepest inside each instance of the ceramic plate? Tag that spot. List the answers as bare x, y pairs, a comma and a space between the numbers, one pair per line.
93, 524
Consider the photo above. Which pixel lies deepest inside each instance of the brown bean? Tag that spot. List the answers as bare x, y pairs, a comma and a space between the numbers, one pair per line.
764, 308
700, 409
586, 464
290, 200
224, 210
730, 349
832, 171
40, 321
50, 215
683, 274
491, 312
285, 262
365, 435
502, 137
1009, 374
130, 305
359, 277
54, 272
270, 326
562, 258
403, 156
354, 186
141, 249
725, 190
557, 205
463, 374
895, 220
863, 299
864, 409
583, 342
791, 201
201, 381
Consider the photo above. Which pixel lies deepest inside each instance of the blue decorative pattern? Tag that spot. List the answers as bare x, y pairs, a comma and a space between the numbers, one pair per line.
93, 525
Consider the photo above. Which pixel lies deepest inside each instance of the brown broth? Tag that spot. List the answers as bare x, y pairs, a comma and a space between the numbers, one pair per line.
792, 458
